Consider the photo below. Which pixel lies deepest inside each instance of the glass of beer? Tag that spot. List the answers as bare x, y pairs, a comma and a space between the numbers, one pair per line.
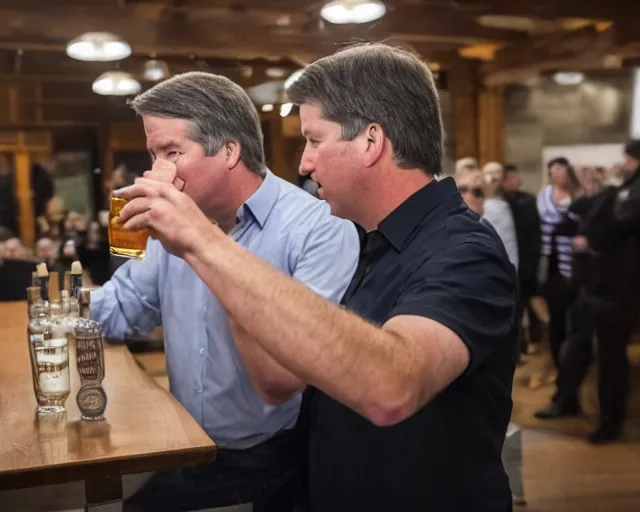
128, 244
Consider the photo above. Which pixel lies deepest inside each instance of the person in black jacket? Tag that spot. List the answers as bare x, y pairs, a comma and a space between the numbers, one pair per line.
606, 270
8, 201
527, 221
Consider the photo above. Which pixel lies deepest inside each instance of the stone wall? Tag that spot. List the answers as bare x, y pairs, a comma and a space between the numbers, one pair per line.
598, 111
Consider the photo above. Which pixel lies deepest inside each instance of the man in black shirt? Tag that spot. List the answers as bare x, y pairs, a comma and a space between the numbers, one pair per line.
525, 215
410, 382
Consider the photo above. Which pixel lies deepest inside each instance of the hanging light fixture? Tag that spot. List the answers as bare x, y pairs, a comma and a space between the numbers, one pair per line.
155, 70
116, 83
341, 12
98, 46
568, 77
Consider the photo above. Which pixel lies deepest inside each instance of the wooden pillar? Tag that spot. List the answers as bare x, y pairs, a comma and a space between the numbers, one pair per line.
478, 115
463, 85
22, 162
278, 163
491, 124
14, 104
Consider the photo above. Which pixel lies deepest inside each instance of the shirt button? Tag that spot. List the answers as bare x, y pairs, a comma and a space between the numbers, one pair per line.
199, 391
201, 351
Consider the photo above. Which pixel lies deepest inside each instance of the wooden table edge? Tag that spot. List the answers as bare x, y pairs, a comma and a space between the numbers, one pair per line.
74, 472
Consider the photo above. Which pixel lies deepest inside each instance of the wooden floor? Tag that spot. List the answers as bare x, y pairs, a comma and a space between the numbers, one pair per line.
562, 472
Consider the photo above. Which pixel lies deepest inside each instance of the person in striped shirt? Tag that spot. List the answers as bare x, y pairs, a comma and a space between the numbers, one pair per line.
557, 225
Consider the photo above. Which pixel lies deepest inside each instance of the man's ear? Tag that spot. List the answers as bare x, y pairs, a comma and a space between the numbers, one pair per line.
374, 141
232, 153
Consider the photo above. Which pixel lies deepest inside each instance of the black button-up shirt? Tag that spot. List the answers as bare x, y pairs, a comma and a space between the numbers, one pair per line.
431, 257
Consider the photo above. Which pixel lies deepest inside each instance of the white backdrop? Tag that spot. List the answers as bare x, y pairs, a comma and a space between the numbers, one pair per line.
604, 155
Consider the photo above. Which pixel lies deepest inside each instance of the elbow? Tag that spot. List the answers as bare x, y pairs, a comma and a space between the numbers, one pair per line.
390, 409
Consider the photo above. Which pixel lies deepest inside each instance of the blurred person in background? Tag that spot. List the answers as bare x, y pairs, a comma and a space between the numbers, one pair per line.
470, 183
8, 203
5, 234
498, 212
557, 226
42, 185
13, 249
527, 222
607, 272
466, 164
47, 251
52, 223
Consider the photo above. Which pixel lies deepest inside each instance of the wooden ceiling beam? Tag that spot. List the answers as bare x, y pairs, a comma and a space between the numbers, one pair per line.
222, 32
47, 67
576, 49
547, 9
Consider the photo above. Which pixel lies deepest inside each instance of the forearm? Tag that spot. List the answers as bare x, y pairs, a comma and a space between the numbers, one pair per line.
320, 343
118, 319
129, 301
274, 383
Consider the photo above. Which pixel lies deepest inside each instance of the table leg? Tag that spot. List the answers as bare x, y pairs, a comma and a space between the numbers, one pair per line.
103, 493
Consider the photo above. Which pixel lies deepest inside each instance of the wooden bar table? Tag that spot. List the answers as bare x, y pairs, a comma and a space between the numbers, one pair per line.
145, 428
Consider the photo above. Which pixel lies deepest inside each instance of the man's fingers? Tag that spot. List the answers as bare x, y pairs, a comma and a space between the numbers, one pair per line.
139, 221
135, 207
178, 183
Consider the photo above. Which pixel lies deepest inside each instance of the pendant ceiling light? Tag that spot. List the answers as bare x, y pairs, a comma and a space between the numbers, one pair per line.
155, 70
116, 83
341, 12
98, 46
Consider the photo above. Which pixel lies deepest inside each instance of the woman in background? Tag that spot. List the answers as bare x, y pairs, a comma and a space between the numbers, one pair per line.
558, 225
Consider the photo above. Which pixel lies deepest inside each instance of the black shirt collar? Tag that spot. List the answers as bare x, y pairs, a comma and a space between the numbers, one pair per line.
400, 224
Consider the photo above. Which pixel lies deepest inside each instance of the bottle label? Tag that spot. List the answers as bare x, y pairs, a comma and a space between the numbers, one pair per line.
55, 382
37, 338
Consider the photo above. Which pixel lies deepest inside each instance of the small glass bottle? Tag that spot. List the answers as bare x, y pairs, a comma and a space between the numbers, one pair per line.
91, 398
49, 357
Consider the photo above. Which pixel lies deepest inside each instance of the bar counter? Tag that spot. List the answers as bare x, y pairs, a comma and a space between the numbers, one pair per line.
145, 428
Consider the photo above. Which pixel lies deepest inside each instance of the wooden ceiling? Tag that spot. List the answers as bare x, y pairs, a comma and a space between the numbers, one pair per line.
243, 39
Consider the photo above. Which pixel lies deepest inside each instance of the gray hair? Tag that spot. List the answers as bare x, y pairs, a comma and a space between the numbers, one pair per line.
217, 109
379, 83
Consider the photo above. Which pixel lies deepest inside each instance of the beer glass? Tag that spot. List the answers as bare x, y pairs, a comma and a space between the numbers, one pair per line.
128, 244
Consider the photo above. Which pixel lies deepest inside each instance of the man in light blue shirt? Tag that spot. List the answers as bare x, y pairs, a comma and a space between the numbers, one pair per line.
204, 135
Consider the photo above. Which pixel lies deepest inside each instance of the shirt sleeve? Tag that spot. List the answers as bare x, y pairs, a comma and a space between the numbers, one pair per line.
470, 289
129, 302
328, 257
